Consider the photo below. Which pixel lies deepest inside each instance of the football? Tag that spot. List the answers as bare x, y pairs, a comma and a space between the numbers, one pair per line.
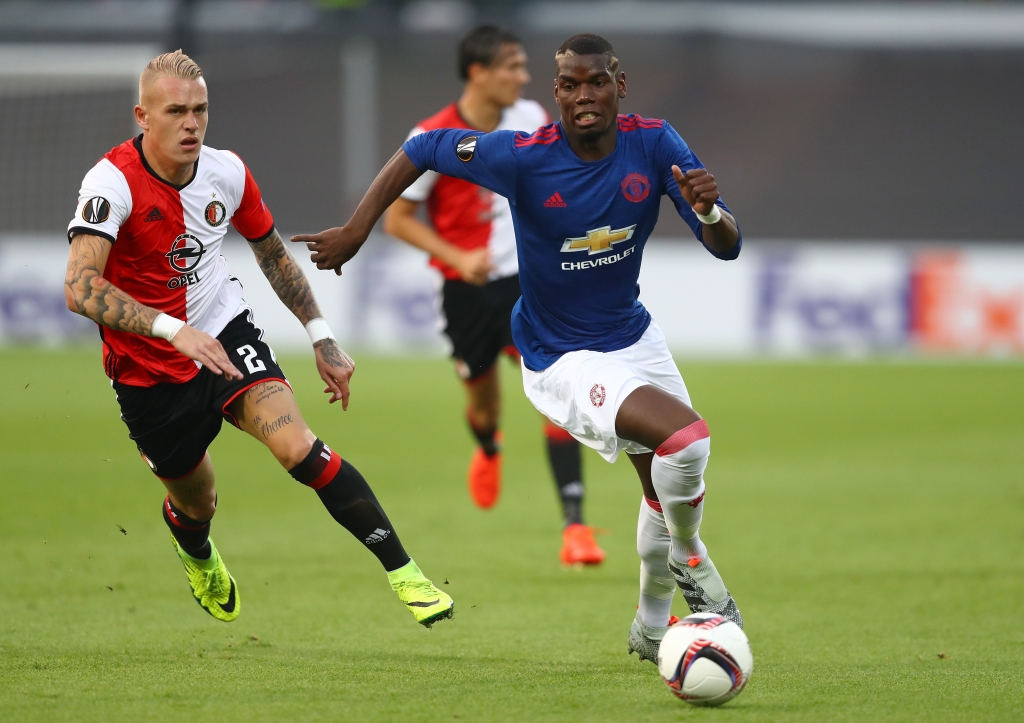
705, 659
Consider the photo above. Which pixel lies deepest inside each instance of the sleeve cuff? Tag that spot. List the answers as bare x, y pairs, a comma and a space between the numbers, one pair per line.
262, 238
76, 230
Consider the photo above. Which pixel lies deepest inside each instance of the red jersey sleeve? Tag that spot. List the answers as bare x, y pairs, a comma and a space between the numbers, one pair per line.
252, 219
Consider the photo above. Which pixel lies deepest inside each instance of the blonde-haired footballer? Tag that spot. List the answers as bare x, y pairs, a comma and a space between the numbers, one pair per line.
179, 342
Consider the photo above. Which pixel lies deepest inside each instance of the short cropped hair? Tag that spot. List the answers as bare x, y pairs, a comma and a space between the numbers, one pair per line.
176, 65
483, 45
588, 44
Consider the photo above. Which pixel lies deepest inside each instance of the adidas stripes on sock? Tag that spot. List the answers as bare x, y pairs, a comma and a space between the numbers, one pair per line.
193, 536
566, 466
656, 582
351, 502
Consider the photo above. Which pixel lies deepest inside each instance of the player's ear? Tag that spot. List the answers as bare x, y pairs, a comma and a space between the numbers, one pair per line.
141, 118
474, 71
621, 82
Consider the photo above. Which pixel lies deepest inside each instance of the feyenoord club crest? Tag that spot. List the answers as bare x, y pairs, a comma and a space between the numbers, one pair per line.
215, 213
635, 187
96, 210
597, 395
466, 148
185, 253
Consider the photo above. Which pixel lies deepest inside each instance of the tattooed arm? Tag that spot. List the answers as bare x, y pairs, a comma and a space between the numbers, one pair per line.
290, 284
88, 293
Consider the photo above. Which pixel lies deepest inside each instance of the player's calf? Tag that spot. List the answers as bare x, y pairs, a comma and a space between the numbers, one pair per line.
351, 502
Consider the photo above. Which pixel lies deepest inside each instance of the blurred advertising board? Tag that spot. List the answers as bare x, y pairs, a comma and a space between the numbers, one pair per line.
777, 300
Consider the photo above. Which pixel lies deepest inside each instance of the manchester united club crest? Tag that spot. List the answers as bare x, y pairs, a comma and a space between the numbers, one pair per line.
635, 187
597, 395
215, 213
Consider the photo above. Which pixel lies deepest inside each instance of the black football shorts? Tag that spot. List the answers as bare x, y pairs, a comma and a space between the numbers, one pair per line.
173, 424
479, 322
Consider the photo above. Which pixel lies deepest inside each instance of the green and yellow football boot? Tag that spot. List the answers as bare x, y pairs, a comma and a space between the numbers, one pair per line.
212, 585
426, 603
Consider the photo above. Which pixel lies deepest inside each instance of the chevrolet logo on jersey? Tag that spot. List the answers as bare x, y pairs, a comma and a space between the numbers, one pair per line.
599, 240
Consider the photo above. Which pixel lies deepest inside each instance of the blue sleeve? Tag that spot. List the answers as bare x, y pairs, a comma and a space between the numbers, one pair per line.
672, 150
491, 164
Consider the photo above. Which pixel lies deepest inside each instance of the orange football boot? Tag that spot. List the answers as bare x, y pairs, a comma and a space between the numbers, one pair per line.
484, 479
580, 547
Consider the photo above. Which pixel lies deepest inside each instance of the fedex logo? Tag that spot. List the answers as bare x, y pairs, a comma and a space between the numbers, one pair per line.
832, 300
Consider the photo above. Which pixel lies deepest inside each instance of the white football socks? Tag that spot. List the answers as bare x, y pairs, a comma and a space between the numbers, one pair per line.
677, 472
657, 586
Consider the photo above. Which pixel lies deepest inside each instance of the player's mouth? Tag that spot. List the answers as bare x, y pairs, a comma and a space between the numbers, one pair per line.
587, 118
190, 144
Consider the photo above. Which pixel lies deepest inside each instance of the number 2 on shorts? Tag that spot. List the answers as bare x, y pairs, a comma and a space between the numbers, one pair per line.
251, 362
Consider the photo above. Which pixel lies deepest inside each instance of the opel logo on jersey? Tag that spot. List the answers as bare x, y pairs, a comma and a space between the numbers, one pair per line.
635, 187
96, 210
215, 213
466, 148
185, 253
598, 240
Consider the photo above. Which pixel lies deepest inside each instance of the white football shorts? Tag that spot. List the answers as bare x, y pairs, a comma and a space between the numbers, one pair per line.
582, 391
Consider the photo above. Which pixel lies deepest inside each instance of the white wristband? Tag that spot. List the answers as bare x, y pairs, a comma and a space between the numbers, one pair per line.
318, 330
714, 217
165, 327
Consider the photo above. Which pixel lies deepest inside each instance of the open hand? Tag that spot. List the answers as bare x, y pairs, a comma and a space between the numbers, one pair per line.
336, 369
698, 188
333, 247
203, 348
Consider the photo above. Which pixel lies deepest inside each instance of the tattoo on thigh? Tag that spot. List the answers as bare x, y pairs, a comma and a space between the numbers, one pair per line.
265, 391
269, 428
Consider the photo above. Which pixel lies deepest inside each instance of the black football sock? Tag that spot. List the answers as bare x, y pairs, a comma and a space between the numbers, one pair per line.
192, 535
351, 502
485, 438
566, 466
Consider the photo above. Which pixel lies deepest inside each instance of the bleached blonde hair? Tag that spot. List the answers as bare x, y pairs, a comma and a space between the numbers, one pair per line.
176, 65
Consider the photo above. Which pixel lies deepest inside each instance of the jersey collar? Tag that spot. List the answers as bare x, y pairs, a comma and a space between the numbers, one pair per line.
145, 164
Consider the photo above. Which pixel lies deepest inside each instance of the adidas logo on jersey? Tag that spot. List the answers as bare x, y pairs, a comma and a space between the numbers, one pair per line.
155, 215
555, 201
377, 536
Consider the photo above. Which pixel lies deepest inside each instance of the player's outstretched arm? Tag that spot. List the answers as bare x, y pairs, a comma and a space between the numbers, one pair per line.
473, 265
290, 284
699, 189
88, 293
336, 246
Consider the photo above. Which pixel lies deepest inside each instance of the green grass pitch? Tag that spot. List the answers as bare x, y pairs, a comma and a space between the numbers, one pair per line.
867, 518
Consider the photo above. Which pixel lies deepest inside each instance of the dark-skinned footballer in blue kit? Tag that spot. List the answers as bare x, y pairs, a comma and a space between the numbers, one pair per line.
594, 361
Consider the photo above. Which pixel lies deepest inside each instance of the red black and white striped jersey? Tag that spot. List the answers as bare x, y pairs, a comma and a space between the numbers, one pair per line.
466, 215
166, 249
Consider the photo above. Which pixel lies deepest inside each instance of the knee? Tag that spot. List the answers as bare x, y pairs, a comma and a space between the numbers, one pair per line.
689, 445
201, 508
292, 451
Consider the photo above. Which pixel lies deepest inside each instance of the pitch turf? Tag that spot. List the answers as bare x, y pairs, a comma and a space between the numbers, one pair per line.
867, 518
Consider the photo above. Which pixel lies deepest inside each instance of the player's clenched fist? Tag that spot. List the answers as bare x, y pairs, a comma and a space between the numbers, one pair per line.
206, 350
332, 248
698, 188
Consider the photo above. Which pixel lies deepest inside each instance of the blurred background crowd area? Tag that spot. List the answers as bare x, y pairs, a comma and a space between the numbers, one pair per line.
872, 151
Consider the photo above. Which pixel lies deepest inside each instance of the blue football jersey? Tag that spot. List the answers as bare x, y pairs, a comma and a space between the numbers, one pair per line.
581, 226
